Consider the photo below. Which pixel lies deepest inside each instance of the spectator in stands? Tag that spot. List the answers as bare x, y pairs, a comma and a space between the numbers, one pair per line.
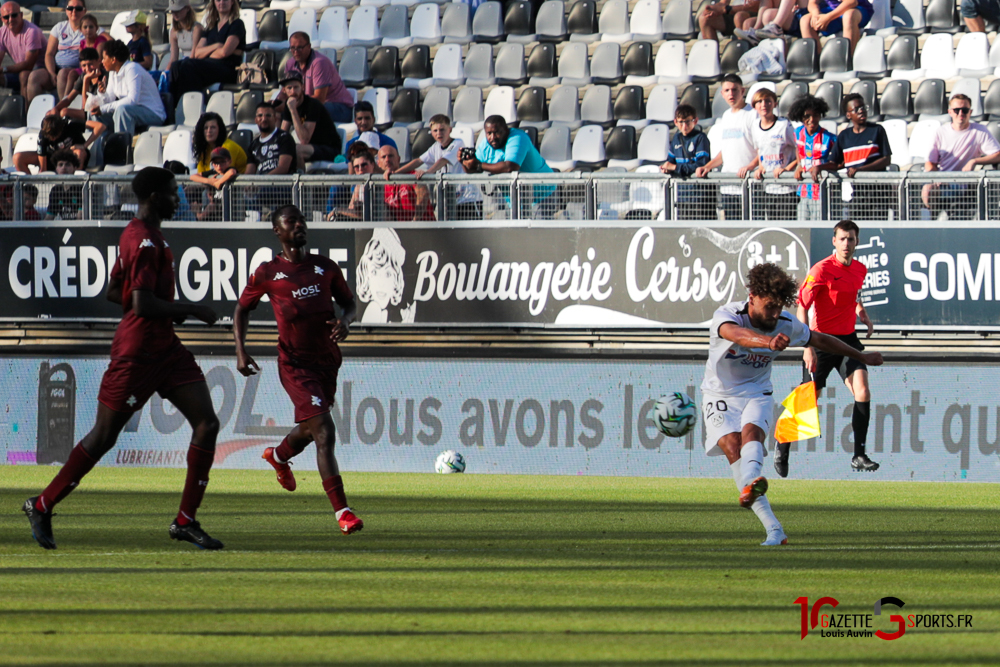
467, 201
62, 56
89, 84
958, 146
220, 173
93, 38
689, 149
977, 13
140, 50
320, 78
720, 17
130, 97
185, 31
318, 138
29, 197
210, 133
25, 43
65, 199
362, 163
774, 140
814, 145
503, 150
735, 150
272, 153
56, 134
830, 17
364, 121
403, 202
218, 53
774, 23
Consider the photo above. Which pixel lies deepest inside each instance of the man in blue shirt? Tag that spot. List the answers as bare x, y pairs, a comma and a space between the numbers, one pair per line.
364, 120
504, 150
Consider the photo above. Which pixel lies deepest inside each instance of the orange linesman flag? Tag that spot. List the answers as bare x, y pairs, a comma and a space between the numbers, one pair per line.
800, 420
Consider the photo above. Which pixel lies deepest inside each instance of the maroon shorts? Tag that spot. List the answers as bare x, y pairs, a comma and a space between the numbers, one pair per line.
127, 385
312, 390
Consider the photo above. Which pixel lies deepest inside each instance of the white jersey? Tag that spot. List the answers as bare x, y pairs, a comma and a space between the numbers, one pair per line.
735, 144
776, 148
733, 370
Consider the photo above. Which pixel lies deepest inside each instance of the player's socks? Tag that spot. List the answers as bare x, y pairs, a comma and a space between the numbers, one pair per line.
334, 487
285, 452
78, 465
752, 459
762, 508
737, 469
199, 463
859, 423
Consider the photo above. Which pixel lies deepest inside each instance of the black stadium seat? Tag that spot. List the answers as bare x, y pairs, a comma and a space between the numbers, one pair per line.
406, 106
246, 108
417, 62
896, 102
13, 111
519, 18
242, 137
832, 92
729, 61
272, 26
930, 98
542, 61
582, 19
903, 53
638, 59
836, 56
803, 64
117, 148
532, 133
792, 92
942, 16
991, 101
159, 31
629, 104
385, 67
697, 96
531, 106
622, 144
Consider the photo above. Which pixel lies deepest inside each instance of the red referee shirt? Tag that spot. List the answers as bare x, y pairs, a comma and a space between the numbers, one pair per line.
833, 289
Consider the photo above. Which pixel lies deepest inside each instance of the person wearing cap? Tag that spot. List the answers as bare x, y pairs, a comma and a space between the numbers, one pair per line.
318, 138
25, 43
62, 56
364, 121
185, 31
320, 78
217, 53
140, 50
130, 97
221, 173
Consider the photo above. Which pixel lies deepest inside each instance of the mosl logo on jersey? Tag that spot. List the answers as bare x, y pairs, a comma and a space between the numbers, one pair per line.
306, 292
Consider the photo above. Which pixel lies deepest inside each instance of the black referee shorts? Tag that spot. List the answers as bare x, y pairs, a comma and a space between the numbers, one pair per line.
826, 362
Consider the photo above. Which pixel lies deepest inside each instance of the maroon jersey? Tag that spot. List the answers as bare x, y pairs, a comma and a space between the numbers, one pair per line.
302, 296
145, 262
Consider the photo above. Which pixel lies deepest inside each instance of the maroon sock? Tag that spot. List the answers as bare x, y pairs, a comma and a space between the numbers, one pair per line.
286, 452
199, 463
334, 487
78, 465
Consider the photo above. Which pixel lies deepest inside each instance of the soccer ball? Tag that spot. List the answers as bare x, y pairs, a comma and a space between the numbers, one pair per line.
449, 461
675, 414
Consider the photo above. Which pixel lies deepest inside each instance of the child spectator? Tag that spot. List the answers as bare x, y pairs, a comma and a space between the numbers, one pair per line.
774, 140
689, 149
55, 134
140, 50
185, 31
65, 199
89, 84
814, 146
444, 154
362, 163
29, 194
93, 38
221, 173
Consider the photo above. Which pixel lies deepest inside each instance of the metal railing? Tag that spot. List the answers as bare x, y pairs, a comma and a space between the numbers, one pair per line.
869, 197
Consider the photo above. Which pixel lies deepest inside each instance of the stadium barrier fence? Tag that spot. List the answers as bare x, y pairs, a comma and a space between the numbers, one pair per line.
571, 197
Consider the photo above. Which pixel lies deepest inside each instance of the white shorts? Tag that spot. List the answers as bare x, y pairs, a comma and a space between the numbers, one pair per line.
729, 414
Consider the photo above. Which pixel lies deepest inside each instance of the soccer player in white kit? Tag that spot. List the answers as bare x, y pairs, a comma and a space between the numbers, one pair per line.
737, 400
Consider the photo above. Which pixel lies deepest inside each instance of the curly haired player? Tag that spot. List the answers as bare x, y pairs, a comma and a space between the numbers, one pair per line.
737, 402
302, 288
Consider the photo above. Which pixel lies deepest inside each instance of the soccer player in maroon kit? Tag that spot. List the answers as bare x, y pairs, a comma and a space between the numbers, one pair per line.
146, 356
831, 290
302, 288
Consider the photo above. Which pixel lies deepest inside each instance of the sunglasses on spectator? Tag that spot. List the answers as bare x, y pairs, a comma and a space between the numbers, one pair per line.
8, 17
961, 111
75, 8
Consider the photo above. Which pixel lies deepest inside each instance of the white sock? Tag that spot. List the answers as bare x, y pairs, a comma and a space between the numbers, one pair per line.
736, 468
277, 459
752, 458
762, 508
340, 513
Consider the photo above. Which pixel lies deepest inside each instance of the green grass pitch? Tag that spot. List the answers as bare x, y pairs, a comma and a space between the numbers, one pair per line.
490, 569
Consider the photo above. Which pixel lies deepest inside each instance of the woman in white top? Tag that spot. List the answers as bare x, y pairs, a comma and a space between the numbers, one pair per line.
774, 139
185, 31
62, 56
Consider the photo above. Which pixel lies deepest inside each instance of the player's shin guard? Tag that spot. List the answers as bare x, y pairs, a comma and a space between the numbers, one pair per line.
78, 465
859, 422
752, 459
286, 451
334, 487
199, 463
762, 508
